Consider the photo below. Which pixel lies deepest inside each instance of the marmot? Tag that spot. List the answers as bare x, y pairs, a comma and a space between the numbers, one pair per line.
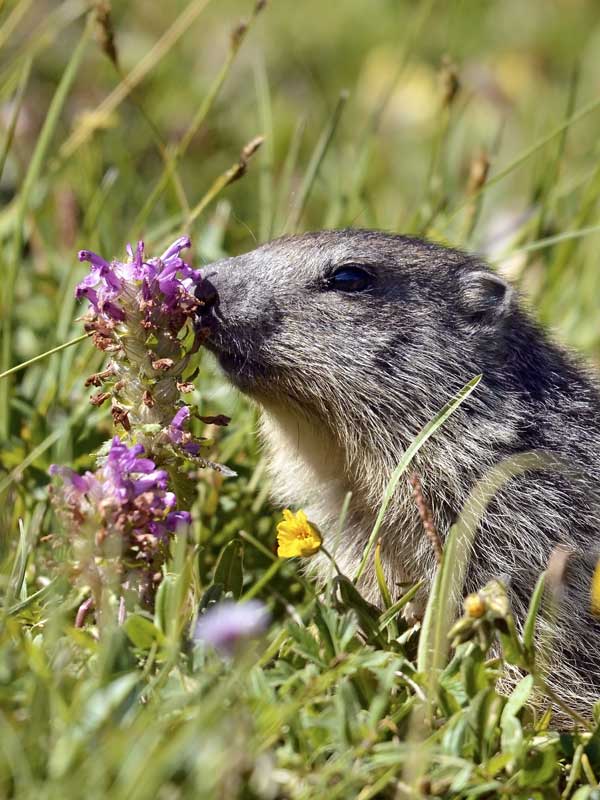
351, 341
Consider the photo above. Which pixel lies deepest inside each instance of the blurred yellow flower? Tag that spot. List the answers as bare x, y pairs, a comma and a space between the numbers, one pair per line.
474, 606
296, 536
595, 591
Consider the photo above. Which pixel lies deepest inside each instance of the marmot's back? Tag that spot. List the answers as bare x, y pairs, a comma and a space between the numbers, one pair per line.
351, 341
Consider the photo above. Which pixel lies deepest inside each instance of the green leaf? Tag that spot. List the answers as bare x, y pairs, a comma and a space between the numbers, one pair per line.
368, 614
142, 632
381, 581
212, 595
393, 611
540, 767
592, 750
486, 711
519, 696
532, 614
229, 569
512, 734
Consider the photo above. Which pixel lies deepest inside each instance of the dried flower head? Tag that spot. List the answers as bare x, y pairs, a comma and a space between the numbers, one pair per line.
296, 536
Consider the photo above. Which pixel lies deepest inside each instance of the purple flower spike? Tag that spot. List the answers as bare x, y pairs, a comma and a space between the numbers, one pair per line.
160, 291
226, 626
126, 499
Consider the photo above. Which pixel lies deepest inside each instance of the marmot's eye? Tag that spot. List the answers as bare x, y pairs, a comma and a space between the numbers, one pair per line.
350, 279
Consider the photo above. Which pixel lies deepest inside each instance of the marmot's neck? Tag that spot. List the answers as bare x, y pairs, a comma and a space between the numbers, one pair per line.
306, 463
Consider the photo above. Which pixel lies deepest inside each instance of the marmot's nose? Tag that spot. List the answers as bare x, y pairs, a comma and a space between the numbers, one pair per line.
208, 296
207, 293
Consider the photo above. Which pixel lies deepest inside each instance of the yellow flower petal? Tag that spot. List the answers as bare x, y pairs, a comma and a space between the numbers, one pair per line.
595, 591
296, 536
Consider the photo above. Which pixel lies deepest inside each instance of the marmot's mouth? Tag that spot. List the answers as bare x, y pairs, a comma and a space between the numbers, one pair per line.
238, 367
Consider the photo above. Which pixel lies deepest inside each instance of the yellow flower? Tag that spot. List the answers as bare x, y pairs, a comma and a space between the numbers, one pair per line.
296, 536
595, 591
474, 606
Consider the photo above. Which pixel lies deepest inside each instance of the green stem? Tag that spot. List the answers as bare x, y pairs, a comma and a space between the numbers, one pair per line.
41, 356
262, 581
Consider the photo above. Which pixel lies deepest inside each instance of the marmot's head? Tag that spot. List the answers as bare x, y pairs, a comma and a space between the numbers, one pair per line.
354, 326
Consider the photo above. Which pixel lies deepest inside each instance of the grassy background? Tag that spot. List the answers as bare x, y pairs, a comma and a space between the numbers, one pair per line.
353, 101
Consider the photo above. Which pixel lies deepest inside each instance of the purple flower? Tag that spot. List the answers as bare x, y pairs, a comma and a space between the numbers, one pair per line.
179, 436
226, 626
176, 432
125, 501
159, 291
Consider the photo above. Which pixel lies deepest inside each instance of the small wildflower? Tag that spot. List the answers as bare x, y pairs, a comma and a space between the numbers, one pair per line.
296, 536
474, 606
226, 626
121, 511
179, 436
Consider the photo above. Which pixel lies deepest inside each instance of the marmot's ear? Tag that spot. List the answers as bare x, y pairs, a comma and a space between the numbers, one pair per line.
486, 295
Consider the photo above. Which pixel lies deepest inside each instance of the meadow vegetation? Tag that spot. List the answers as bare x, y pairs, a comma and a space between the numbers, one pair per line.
472, 123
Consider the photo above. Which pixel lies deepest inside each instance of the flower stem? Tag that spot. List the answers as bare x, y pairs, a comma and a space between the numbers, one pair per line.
333, 561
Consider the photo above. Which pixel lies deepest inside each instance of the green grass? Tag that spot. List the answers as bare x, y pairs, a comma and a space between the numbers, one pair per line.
340, 699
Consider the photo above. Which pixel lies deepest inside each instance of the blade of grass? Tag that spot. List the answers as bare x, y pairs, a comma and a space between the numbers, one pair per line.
50, 26
41, 356
551, 170
314, 164
532, 613
234, 173
565, 252
97, 202
549, 241
264, 579
35, 597
287, 174
265, 180
381, 581
33, 172
392, 612
341, 521
414, 448
586, 109
11, 23
450, 576
17, 103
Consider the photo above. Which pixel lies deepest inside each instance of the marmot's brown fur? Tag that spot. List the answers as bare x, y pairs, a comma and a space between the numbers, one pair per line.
351, 341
